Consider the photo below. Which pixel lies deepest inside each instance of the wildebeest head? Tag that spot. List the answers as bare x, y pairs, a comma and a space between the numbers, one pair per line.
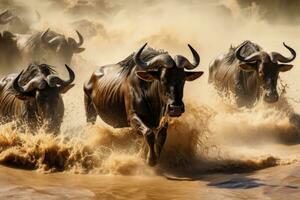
171, 75
267, 66
42, 88
62, 48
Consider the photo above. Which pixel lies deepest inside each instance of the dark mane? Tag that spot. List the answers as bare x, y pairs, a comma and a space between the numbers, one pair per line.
128, 63
34, 41
34, 70
247, 50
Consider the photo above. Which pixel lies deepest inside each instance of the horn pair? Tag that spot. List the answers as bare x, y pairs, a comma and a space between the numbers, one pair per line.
41, 83
275, 56
53, 40
165, 60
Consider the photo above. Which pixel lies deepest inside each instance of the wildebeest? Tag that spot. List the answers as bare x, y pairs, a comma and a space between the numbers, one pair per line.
42, 47
139, 92
250, 73
49, 47
33, 97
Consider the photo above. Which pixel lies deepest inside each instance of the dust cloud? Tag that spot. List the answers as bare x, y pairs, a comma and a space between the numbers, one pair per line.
214, 135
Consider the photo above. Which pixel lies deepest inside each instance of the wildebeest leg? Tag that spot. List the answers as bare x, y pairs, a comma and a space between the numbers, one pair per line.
160, 139
137, 124
90, 111
240, 91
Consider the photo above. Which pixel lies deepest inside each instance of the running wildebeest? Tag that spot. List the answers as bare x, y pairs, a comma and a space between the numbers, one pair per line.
42, 47
49, 47
139, 92
33, 97
250, 73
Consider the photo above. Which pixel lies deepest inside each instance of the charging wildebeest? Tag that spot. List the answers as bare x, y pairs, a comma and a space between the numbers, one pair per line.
33, 97
49, 47
139, 92
250, 73
42, 47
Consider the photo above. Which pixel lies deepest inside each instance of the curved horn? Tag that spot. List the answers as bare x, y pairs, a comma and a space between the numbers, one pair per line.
38, 16
4, 13
137, 57
278, 57
36, 83
54, 80
251, 58
164, 60
16, 85
80, 39
53, 39
183, 62
43, 36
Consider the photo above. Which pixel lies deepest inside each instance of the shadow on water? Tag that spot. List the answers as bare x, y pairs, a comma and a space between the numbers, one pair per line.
224, 166
231, 181
245, 183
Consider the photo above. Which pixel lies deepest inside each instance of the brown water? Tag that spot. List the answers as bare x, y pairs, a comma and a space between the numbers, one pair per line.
272, 183
214, 151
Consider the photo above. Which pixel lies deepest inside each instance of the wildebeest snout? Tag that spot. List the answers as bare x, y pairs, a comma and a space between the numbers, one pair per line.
175, 110
271, 96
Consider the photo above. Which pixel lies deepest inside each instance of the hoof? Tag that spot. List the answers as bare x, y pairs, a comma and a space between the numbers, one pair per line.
151, 159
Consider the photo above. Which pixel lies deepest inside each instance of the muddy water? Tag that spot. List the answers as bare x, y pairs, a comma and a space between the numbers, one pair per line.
102, 163
272, 183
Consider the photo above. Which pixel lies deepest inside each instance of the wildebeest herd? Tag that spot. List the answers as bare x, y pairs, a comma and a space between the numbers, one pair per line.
142, 91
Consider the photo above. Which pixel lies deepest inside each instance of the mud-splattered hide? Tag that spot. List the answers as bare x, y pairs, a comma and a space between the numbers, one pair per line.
139, 91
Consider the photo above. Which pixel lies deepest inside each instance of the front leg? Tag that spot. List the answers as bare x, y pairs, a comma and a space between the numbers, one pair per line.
161, 139
137, 124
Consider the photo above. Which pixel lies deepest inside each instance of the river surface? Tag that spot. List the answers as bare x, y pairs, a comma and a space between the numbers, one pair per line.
272, 183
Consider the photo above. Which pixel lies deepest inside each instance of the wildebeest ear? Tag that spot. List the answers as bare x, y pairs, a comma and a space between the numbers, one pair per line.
79, 50
148, 75
247, 67
65, 89
190, 76
284, 67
